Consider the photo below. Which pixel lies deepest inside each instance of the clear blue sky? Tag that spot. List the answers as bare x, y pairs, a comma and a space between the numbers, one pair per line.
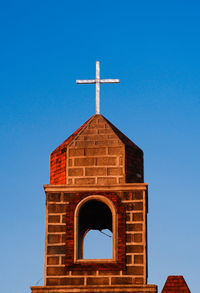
154, 48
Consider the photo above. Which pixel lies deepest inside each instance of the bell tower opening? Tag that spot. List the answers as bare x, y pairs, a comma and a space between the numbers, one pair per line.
95, 221
97, 244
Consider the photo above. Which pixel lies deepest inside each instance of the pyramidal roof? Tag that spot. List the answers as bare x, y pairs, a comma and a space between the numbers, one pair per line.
97, 147
175, 284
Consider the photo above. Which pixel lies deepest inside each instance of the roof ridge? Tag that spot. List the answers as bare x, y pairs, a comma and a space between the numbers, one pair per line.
73, 135
120, 134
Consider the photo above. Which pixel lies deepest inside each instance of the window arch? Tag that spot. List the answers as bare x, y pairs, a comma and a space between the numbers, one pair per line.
94, 213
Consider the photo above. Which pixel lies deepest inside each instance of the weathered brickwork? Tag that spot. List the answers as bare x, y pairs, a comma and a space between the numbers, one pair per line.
175, 284
98, 165
130, 267
96, 155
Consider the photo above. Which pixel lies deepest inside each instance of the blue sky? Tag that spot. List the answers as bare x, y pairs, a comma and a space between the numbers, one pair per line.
153, 47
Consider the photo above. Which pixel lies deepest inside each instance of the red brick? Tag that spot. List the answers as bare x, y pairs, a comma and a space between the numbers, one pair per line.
137, 237
96, 171
138, 259
56, 228
53, 197
115, 171
134, 248
115, 150
83, 273
52, 238
54, 219
58, 249
134, 227
52, 260
109, 273
139, 281
129, 259
121, 281
128, 217
56, 271
137, 195
137, 217
57, 208
134, 270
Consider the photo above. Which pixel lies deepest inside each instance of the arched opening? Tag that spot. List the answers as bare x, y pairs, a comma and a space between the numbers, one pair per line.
94, 229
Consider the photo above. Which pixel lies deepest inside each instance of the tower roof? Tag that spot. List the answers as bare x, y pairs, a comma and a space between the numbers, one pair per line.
96, 153
175, 284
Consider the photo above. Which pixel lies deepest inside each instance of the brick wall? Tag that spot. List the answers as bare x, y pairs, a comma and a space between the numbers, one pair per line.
96, 156
130, 267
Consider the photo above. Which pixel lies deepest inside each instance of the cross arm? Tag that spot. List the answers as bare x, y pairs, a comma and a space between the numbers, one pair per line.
109, 80
85, 81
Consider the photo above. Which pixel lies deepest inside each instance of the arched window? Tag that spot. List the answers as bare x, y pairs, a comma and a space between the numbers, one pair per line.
94, 213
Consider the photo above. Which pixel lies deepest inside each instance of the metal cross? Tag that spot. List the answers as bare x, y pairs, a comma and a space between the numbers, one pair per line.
97, 81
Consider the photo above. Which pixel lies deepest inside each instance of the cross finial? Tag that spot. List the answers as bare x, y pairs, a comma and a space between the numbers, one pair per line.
97, 81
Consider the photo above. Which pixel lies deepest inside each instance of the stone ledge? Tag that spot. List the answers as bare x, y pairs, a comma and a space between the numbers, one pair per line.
95, 187
95, 289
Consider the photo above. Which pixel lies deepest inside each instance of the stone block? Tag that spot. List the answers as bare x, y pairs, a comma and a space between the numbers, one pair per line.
83, 273
137, 217
128, 217
54, 238
52, 260
57, 208
134, 270
54, 219
75, 172
106, 161
56, 228
99, 171
137, 237
138, 206
65, 281
84, 144
58, 249
115, 150
53, 197
115, 171
104, 131
134, 227
137, 195
97, 281
83, 181
64, 218
56, 271
95, 151
129, 259
76, 152
138, 259
106, 180
134, 248
84, 161
121, 281
139, 280
109, 273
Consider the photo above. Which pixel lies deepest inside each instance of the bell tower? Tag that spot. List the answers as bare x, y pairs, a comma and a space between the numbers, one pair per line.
96, 183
